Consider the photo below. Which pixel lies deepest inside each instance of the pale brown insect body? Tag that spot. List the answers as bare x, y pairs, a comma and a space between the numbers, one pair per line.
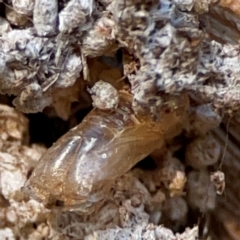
80, 168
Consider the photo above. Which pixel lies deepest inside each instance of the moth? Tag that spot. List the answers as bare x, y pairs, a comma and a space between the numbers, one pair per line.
80, 168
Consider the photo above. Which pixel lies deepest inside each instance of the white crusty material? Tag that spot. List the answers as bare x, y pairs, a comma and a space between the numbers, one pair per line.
4, 26
74, 14
101, 38
104, 96
10, 168
71, 71
45, 17
7, 233
23, 6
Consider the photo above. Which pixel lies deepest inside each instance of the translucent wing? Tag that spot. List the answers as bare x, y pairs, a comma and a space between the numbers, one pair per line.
82, 165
